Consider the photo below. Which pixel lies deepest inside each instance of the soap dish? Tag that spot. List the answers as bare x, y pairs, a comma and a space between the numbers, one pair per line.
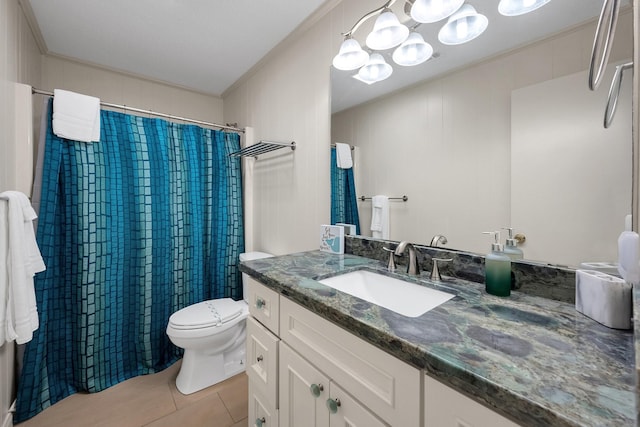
604, 298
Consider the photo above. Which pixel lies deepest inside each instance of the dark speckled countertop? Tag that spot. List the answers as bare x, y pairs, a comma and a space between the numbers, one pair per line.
534, 360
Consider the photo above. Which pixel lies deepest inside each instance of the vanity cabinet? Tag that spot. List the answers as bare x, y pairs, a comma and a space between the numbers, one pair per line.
368, 387
446, 407
306, 371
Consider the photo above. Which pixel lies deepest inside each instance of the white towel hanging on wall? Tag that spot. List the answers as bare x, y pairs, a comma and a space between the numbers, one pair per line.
20, 259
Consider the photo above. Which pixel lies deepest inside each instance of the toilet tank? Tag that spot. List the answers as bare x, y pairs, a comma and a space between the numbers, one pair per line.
250, 256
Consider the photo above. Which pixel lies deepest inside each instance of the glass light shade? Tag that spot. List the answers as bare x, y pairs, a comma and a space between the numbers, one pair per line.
519, 7
350, 56
428, 11
375, 70
412, 51
387, 32
463, 26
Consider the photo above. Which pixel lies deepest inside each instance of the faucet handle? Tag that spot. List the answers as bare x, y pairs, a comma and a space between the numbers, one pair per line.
391, 266
435, 272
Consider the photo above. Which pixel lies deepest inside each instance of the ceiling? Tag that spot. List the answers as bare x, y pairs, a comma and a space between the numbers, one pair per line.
205, 45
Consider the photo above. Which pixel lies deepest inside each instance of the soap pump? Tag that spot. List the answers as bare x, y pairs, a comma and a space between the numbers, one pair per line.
511, 248
497, 269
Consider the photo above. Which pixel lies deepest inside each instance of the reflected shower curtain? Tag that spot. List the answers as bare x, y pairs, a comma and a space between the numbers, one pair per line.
132, 228
344, 204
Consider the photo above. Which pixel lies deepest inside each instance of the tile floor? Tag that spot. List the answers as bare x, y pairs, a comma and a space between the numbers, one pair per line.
151, 401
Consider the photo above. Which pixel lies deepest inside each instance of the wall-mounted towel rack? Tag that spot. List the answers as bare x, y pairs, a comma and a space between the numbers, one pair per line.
262, 147
350, 146
403, 198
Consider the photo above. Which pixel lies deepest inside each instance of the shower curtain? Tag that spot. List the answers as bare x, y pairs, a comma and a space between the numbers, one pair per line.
131, 228
344, 205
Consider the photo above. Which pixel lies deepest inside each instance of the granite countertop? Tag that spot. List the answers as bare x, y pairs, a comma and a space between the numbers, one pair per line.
535, 360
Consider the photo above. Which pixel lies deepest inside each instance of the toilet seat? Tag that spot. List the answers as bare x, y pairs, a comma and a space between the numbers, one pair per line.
207, 314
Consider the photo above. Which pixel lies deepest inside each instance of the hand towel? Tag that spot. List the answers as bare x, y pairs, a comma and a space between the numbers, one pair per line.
380, 217
20, 260
343, 156
76, 116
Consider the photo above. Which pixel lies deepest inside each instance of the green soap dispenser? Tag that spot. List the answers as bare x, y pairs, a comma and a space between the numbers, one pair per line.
511, 248
497, 269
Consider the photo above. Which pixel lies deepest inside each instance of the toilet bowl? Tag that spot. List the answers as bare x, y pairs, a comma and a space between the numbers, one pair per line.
212, 334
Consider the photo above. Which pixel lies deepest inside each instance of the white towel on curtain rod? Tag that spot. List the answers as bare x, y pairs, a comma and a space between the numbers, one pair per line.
76, 116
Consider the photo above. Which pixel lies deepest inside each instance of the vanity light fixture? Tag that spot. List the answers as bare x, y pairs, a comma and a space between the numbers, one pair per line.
428, 11
375, 70
413, 51
519, 7
463, 26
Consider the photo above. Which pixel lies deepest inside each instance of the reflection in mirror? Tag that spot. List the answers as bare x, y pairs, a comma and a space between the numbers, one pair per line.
515, 141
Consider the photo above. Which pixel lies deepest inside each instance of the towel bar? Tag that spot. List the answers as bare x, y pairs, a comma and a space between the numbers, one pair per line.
403, 198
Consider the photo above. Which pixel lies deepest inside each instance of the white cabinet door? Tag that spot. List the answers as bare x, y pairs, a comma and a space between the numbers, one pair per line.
445, 407
349, 412
303, 392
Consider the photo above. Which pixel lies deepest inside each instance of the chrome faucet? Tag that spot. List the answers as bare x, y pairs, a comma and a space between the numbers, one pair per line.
412, 267
438, 239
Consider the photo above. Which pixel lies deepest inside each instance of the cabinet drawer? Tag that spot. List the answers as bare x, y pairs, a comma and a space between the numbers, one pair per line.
261, 412
383, 383
264, 305
262, 360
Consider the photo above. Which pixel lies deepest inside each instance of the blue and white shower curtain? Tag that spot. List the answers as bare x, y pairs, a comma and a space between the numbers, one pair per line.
131, 228
344, 204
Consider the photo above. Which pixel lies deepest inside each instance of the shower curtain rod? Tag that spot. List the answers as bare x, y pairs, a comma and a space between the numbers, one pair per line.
138, 110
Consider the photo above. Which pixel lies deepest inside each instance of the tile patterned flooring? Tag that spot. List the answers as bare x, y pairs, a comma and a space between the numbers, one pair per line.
151, 401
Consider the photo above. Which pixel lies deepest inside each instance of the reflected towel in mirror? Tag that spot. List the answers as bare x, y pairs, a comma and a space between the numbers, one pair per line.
380, 216
343, 156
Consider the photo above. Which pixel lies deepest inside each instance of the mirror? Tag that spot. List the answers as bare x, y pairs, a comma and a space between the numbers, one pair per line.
511, 140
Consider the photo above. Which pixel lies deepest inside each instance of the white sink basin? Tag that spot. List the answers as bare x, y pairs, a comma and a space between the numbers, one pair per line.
406, 298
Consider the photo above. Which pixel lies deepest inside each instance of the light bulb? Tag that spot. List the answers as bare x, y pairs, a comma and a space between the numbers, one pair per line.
462, 29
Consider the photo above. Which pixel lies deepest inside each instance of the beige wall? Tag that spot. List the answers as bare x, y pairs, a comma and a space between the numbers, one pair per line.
446, 143
118, 88
19, 63
286, 98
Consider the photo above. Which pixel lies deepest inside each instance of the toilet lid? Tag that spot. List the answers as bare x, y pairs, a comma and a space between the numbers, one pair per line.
207, 313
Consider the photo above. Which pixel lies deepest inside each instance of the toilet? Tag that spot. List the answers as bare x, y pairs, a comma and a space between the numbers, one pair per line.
212, 334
